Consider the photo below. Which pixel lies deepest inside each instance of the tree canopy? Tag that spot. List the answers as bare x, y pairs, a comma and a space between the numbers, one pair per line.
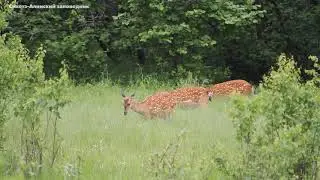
215, 40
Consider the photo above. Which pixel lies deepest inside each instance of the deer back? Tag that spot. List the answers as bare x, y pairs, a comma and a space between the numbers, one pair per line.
228, 87
195, 94
160, 104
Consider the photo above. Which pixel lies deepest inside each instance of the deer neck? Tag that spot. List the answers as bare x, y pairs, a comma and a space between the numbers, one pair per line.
138, 107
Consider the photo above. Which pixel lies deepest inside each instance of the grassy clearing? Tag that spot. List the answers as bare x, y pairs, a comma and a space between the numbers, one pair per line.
105, 144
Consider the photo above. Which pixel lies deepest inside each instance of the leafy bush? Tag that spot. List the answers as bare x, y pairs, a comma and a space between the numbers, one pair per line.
26, 93
10, 72
278, 129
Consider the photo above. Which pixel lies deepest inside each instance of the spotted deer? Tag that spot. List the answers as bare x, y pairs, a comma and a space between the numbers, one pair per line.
191, 97
155, 106
239, 86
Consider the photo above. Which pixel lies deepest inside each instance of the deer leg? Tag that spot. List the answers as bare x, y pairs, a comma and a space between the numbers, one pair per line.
165, 116
170, 116
188, 104
205, 104
147, 116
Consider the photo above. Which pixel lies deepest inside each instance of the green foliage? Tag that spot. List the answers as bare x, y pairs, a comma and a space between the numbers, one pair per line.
84, 58
178, 34
76, 36
3, 14
287, 26
179, 37
10, 72
278, 128
36, 97
28, 95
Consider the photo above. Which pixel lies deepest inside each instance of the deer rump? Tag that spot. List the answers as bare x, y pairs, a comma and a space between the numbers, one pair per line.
241, 87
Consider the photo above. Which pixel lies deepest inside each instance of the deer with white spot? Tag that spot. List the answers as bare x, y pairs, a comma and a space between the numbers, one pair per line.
159, 105
238, 86
192, 97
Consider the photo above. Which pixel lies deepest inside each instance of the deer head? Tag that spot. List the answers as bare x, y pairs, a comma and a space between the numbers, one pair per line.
127, 102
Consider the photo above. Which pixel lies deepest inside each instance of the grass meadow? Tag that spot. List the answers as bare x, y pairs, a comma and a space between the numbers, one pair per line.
99, 142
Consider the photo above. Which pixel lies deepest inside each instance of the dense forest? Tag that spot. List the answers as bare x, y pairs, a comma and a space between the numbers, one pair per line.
212, 40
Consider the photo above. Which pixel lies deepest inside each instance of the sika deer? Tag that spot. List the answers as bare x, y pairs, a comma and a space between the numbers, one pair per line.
227, 88
192, 97
156, 106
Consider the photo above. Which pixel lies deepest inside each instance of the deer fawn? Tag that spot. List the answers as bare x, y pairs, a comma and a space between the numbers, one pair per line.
227, 88
159, 105
192, 97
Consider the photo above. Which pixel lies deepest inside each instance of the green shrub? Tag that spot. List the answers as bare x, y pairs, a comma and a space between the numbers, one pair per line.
278, 129
26, 94
11, 72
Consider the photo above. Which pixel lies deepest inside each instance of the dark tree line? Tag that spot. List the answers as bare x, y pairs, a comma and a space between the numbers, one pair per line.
215, 40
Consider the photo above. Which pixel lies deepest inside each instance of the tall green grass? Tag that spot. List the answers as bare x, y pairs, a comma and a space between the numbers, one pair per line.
99, 142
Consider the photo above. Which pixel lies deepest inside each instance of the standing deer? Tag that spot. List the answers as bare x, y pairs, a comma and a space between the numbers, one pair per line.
192, 97
159, 105
227, 88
